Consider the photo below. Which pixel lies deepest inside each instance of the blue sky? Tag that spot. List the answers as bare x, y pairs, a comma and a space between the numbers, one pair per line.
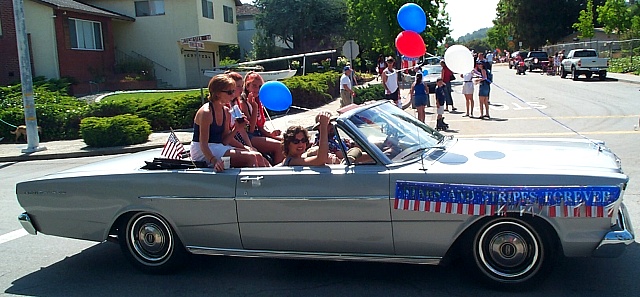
466, 16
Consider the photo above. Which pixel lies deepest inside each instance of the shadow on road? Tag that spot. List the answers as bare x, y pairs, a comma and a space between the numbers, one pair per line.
102, 271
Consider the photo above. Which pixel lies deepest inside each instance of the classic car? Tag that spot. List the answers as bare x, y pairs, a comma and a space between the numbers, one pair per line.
506, 207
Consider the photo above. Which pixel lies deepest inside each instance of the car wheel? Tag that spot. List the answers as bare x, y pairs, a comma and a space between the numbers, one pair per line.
150, 244
563, 73
574, 73
509, 253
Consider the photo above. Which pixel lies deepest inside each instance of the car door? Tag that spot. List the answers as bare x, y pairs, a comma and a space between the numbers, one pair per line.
323, 209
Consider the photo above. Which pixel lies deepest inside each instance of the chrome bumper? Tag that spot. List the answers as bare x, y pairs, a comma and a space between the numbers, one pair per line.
26, 223
615, 241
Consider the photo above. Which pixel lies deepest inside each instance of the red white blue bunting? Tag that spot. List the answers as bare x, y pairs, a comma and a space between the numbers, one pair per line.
477, 200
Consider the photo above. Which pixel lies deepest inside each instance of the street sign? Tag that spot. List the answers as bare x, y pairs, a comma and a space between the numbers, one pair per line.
350, 49
196, 44
195, 39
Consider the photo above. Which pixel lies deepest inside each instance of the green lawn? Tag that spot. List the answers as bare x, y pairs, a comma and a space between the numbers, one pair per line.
144, 96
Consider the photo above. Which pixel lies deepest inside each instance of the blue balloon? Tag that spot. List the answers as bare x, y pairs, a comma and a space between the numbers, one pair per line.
275, 96
425, 73
411, 17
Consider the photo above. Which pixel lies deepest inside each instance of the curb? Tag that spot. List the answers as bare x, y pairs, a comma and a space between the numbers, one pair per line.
93, 153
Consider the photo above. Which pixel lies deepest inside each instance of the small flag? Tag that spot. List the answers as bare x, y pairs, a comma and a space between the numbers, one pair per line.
173, 149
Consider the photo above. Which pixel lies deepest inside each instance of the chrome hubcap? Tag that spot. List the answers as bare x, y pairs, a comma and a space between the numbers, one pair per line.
508, 249
151, 238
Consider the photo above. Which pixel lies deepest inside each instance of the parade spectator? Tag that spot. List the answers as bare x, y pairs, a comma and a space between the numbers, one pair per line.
483, 92
446, 76
346, 88
420, 94
390, 82
440, 91
467, 91
381, 65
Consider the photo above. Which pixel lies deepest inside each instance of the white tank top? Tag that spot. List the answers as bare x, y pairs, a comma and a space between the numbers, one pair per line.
392, 80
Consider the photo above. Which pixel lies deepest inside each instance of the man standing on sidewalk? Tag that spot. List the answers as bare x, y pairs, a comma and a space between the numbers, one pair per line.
390, 82
346, 88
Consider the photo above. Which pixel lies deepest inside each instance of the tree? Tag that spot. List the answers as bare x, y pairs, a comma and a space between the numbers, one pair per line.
303, 25
536, 22
615, 17
585, 22
374, 25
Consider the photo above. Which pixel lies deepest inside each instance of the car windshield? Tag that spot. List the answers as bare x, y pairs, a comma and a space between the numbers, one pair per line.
394, 132
538, 54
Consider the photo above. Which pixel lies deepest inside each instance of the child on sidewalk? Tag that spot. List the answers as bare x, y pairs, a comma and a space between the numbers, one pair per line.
440, 102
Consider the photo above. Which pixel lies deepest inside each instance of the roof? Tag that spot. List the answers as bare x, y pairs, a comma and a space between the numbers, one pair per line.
247, 9
80, 7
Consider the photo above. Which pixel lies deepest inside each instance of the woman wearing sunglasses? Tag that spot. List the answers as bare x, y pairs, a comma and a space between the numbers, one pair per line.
296, 142
212, 134
266, 142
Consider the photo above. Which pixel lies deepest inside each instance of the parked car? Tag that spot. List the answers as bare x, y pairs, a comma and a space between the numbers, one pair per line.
584, 61
435, 71
536, 60
513, 60
508, 207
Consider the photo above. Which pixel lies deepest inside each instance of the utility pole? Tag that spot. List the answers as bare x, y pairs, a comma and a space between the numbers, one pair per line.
33, 139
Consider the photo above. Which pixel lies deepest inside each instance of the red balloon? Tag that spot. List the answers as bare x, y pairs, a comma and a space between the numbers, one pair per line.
410, 44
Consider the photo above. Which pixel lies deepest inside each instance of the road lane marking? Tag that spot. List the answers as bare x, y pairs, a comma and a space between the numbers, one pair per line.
546, 134
547, 118
12, 235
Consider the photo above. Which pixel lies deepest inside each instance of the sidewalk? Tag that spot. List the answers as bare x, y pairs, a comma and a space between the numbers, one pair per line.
77, 148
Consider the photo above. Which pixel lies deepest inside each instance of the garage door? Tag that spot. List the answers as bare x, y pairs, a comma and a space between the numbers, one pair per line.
195, 78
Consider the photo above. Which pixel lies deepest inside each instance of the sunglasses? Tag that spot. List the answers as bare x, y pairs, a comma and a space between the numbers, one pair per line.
229, 92
297, 141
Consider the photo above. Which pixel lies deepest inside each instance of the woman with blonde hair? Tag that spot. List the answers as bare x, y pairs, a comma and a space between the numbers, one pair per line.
212, 134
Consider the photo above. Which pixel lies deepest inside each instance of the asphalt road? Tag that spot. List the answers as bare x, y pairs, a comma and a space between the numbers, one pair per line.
49, 266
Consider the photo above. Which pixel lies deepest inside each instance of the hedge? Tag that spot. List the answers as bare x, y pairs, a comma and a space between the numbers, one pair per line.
118, 130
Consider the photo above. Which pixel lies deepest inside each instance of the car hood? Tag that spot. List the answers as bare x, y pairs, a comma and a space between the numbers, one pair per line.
519, 160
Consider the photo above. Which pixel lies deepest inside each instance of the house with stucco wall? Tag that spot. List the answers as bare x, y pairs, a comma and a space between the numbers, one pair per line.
86, 40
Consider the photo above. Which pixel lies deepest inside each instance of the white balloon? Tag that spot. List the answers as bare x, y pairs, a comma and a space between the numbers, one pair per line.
459, 59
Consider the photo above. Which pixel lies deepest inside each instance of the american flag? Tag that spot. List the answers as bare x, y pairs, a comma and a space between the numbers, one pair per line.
173, 149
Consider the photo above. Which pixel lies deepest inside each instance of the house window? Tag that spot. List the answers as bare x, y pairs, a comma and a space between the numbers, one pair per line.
207, 9
85, 34
246, 25
228, 14
149, 8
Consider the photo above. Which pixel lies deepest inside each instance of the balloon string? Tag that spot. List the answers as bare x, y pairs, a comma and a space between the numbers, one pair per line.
273, 127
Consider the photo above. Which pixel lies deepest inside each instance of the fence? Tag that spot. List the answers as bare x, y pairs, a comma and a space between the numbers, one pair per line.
606, 49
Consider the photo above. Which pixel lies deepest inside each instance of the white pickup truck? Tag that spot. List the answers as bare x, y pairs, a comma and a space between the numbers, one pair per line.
584, 61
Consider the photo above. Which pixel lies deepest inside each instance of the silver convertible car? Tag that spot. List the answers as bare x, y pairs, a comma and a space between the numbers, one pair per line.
506, 207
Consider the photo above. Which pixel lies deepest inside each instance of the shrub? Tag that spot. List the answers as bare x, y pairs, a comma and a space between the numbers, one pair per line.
371, 92
114, 131
313, 90
111, 108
